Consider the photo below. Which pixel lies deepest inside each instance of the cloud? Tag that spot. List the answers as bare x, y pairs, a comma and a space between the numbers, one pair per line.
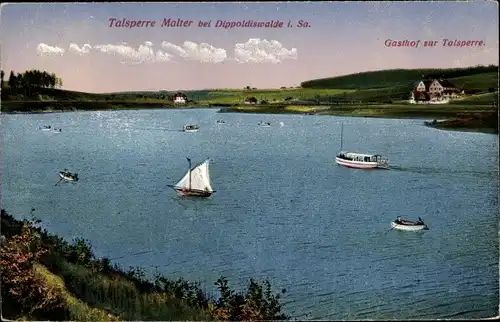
46, 50
161, 56
81, 51
256, 50
136, 56
203, 52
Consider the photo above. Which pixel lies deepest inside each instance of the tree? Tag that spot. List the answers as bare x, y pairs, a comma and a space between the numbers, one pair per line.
32, 80
12, 80
2, 75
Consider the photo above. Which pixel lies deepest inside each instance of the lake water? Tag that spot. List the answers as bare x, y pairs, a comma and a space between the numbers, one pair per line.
282, 210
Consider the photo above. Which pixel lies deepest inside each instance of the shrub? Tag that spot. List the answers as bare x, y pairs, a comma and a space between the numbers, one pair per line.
258, 303
20, 284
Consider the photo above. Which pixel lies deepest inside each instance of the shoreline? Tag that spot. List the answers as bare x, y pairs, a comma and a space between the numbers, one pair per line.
477, 118
39, 107
66, 281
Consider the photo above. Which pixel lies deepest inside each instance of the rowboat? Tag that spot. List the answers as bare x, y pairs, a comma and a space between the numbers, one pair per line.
191, 128
68, 176
265, 124
408, 225
196, 182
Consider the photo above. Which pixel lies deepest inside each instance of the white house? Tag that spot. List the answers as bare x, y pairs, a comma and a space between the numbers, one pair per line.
179, 98
250, 100
435, 88
420, 87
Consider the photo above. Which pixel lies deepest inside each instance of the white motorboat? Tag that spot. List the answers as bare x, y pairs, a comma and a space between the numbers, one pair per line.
408, 225
46, 128
265, 124
359, 160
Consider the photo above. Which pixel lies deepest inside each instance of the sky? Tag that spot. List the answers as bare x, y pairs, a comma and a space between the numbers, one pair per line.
75, 41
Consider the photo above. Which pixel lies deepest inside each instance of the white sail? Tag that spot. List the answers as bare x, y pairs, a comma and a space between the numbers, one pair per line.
200, 178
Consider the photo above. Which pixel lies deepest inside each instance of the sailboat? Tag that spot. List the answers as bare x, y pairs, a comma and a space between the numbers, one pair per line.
359, 160
196, 182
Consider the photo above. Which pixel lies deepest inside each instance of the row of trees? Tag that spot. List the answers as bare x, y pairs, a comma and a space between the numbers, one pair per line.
32, 79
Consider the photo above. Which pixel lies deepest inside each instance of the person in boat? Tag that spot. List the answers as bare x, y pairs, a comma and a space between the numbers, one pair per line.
398, 220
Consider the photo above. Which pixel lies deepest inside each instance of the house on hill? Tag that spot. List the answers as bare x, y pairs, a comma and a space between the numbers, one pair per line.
179, 98
434, 91
250, 100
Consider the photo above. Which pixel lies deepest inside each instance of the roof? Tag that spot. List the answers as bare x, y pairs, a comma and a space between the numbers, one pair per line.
428, 83
359, 154
179, 94
446, 83
250, 99
442, 82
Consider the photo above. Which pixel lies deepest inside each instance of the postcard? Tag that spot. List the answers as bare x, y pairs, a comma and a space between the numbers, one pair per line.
249, 161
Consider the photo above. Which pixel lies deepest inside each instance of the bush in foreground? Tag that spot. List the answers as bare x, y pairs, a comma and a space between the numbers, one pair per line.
94, 287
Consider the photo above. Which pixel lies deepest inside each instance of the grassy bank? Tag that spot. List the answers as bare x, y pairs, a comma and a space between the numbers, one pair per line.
47, 278
237, 96
485, 122
389, 110
71, 106
477, 117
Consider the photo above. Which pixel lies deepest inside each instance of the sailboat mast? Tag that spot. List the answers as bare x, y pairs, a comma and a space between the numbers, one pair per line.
341, 135
189, 160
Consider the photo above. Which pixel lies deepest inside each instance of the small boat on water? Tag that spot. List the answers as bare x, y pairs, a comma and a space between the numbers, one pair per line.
196, 182
191, 128
265, 124
68, 176
408, 225
46, 128
359, 160
221, 122
56, 130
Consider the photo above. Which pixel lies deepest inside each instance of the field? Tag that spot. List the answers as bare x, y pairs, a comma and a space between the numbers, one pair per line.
370, 87
233, 96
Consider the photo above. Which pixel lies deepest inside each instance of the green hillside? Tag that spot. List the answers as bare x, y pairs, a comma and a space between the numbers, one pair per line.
481, 99
395, 77
482, 82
